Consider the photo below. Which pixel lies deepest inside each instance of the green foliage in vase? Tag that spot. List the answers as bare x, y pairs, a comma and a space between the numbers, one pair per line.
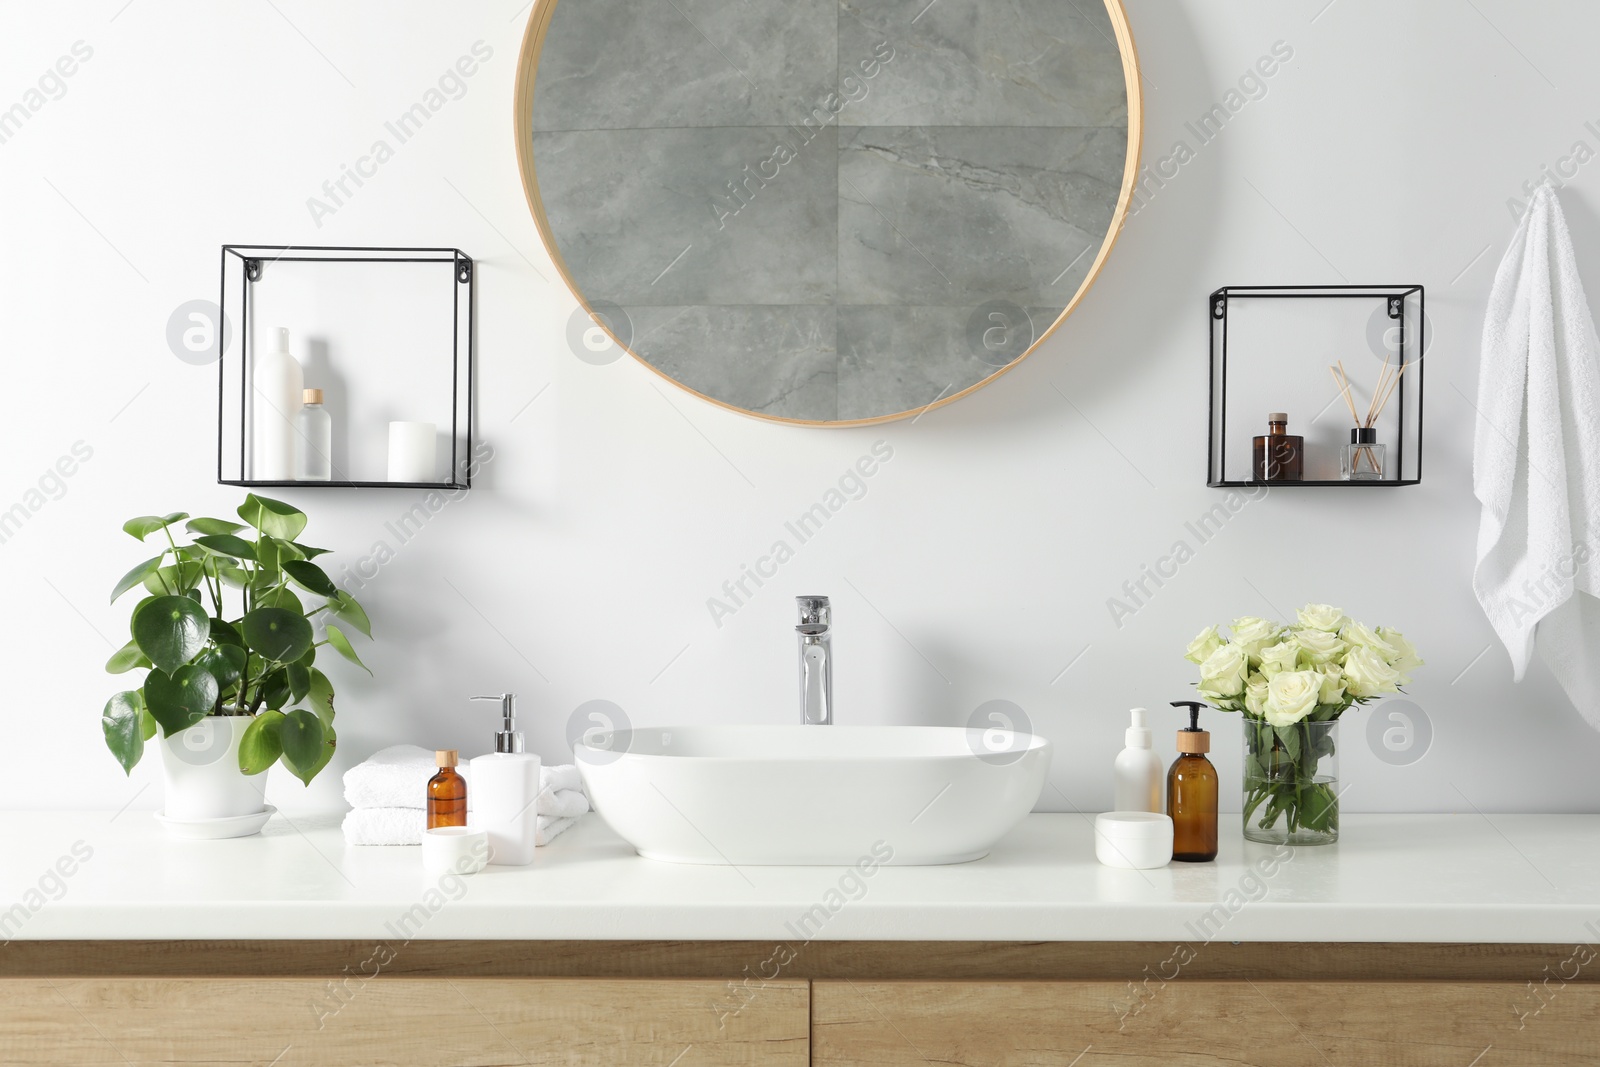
261, 663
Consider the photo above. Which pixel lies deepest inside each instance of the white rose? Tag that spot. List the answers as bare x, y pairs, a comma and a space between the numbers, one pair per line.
1332, 686
1202, 646
1323, 617
1406, 659
1222, 674
1253, 634
1291, 696
1319, 646
1255, 696
1356, 634
1367, 674
1280, 657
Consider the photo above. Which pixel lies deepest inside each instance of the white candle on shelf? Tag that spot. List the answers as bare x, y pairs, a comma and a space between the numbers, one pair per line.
411, 452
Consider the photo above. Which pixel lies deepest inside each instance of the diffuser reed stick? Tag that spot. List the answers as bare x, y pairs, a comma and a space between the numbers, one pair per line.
1388, 381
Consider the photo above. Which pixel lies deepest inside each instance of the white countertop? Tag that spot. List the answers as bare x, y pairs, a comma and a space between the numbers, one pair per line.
1444, 878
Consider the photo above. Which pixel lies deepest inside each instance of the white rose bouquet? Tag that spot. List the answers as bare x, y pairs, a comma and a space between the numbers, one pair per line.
1291, 681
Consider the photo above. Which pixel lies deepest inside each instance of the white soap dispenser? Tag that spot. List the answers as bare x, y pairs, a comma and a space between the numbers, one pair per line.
1138, 769
505, 791
279, 385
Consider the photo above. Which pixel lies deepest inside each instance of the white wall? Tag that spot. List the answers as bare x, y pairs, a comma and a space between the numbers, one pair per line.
980, 562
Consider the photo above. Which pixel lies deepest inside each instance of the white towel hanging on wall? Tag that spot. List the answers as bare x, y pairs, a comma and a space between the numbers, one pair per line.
1536, 459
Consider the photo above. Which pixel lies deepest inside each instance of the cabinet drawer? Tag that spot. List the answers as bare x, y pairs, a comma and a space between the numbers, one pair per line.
1203, 1022
410, 1022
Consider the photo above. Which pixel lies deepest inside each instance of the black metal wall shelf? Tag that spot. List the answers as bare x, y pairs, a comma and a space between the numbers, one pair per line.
245, 268
1398, 312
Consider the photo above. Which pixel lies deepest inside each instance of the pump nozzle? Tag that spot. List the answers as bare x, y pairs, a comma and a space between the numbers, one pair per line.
508, 738
1198, 740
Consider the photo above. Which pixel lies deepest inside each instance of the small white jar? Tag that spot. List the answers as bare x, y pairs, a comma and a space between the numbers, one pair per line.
1133, 840
454, 850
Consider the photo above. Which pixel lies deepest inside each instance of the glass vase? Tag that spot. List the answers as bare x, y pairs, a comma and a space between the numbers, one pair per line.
1291, 782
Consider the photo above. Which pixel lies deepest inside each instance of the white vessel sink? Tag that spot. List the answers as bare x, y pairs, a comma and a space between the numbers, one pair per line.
813, 795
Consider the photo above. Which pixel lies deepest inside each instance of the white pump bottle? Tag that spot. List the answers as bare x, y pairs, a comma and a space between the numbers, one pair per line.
505, 792
1138, 770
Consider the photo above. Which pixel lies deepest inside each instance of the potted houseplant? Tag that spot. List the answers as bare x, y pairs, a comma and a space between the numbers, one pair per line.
231, 692
1292, 682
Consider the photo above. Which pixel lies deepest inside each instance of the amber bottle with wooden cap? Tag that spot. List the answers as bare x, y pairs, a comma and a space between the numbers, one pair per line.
1192, 792
447, 792
1280, 455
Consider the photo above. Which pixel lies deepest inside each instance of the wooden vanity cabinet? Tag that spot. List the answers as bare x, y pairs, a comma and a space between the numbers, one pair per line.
840, 1004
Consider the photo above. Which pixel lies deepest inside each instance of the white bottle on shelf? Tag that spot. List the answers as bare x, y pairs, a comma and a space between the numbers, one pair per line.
278, 384
314, 438
1138, 770
505, 792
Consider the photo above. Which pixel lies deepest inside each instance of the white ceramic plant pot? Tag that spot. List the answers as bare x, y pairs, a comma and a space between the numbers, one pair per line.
201, 768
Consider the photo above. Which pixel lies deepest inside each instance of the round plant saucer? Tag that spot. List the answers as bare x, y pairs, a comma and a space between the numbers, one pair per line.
216, 829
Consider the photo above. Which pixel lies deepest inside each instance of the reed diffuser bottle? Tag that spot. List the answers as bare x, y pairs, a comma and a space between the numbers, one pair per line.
1362, 459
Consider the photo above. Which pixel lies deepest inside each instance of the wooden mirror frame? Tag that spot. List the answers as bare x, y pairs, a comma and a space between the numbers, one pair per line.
522, 116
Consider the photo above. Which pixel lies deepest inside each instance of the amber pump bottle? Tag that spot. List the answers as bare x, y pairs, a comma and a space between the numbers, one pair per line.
447, 792
1192, 792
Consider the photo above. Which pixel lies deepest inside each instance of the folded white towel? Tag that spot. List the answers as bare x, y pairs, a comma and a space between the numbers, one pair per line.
397, 777
404, 826
1536, 458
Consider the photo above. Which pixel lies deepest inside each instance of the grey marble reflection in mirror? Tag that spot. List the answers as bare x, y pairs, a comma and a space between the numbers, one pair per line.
829, 211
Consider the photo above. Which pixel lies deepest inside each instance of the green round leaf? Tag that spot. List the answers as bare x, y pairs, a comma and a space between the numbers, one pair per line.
299, 682
341, 645
223, 633
272, 553
232, 574
272, 517
213, 526
125, 659
307, 552
136, 576
123, 728
260, 746
301, 737
330, 742
228, 545
310, 576
320, 697
279, 635
179, 577
145, 525
274, 689
180, 700
346, 609
273, 596
224, 663
170, 630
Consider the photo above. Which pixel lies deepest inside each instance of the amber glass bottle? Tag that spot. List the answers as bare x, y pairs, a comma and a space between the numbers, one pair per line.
1280, 455
1192, 792
447, 792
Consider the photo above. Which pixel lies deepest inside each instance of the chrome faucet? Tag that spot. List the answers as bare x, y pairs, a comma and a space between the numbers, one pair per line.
816, 660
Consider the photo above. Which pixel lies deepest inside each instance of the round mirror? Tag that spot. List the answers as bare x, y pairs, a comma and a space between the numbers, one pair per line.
828, 211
